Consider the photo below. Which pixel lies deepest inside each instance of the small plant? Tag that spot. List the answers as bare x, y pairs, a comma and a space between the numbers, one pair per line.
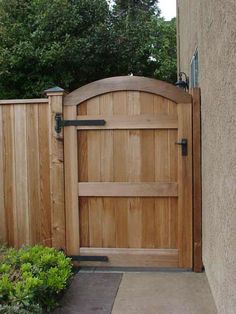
32, 278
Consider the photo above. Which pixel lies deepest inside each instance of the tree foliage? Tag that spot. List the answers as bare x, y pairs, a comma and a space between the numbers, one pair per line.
126, 6
72, 42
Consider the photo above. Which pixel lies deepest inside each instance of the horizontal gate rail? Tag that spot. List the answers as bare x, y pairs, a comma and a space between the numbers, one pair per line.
144, 121
152, 189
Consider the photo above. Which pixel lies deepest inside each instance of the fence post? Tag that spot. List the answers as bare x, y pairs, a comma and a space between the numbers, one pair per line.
55, 96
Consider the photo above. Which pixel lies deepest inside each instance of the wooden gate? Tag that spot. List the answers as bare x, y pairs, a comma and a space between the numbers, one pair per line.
128, 182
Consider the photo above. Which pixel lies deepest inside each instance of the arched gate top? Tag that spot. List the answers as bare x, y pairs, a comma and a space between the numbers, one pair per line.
127, 83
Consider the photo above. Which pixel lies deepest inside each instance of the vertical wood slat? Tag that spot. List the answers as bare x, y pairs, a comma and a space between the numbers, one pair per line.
33, 173
94, 173
147, 173
44, 169
9, 174
3, 219
83, 177
120, 160
56, 172
71, 181
197, 188
185, 187
162, 164
20, 144
134, 173
107, 174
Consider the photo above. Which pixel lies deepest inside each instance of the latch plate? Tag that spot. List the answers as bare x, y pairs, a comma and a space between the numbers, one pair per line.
184, 145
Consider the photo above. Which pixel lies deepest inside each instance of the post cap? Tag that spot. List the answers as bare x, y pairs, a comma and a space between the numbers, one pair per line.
55, 89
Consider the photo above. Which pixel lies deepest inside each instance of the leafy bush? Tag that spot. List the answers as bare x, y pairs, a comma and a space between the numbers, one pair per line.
32, 278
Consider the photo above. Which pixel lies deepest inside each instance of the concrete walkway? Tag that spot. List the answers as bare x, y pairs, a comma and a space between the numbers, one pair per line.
138, 293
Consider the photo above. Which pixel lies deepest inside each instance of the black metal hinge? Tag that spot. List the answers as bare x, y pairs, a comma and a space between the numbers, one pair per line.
60, 123
80, 258
86, 258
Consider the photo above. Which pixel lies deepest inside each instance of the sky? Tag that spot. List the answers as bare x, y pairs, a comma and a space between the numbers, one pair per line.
168, 8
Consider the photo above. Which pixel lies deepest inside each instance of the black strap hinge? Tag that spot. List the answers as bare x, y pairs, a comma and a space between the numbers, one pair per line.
80, 258
60, 123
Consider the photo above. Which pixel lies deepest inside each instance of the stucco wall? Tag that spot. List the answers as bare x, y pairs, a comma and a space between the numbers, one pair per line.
210, 25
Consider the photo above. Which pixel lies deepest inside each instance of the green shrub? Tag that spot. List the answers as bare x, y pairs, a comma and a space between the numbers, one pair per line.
32, 279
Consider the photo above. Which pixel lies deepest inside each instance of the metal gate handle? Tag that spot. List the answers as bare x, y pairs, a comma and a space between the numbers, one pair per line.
184, 144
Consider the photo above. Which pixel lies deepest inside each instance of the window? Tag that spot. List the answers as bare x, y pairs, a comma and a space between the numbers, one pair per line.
194, 70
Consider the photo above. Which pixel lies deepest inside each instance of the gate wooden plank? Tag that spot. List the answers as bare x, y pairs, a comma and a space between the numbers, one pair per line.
107, 174
134, 257
127, 83
120, 159
134, 174
148, 169
94, 174
161, 174
121, 189
71, 181
83, 176
142, 121
185, 188
173, 176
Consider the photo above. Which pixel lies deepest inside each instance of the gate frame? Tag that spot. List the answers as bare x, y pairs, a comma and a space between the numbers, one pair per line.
69, 105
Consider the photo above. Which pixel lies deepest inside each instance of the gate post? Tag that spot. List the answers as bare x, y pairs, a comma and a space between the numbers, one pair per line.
55, 97
197, 181
71, 182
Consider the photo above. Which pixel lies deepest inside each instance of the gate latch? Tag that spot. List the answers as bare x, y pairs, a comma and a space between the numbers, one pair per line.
60, 123
184, 144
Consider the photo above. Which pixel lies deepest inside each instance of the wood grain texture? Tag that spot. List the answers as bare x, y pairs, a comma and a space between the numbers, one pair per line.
45, 180
22, 208
120, 161
33, 173
144, 121
25, 170
57, 173
94, 174
9, 174
197, 179
127, 83
23, 101
71, 180
133, 257
3, 217
114, 161
185, 214
134, 185
121, 189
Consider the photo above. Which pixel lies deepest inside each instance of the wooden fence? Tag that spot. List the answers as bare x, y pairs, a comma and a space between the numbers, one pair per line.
32, 191
31, 169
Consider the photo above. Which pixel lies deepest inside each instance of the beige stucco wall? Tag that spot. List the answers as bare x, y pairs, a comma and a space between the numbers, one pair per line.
210, 25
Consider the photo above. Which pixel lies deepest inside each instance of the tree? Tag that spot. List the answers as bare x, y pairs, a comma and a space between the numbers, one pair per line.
123, 6
164, 50
45, 43
72, 42
145, 44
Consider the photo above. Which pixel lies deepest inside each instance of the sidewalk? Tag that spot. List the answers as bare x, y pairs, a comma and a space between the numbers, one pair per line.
138, 293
